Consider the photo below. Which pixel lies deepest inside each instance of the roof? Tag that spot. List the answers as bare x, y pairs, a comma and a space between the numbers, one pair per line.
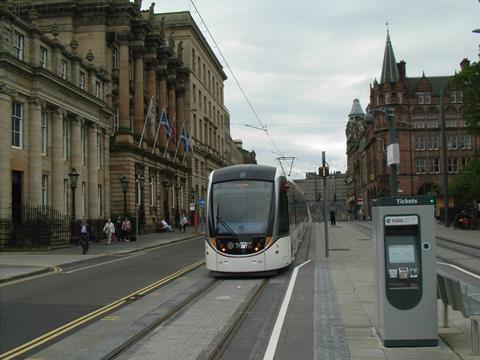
438, 83
356, 109
389, 68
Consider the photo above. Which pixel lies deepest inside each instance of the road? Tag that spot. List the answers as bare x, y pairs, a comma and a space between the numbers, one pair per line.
32, 308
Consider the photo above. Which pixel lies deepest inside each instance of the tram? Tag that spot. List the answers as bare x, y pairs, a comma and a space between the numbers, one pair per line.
255, 219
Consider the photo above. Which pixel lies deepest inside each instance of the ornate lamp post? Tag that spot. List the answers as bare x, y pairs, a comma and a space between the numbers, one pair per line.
140, 180
73, 185
124, 182
177, 208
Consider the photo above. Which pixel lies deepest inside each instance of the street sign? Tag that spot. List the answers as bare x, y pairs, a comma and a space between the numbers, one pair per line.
201, 203
192, 206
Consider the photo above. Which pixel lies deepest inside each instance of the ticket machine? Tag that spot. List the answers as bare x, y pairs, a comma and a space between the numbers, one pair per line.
405, 271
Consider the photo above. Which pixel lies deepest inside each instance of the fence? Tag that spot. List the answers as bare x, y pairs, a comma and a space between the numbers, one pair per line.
34, 227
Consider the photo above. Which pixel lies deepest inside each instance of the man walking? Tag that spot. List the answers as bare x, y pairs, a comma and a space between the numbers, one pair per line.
109, 230
84, 234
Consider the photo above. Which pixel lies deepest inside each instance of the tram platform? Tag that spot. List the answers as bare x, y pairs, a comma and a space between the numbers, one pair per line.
343, 302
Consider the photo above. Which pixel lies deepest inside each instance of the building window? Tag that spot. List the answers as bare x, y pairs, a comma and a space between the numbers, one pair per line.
83, 144
65, 139
152, 190
432, 142
43, 133
63, 71
116, 119
17, 124
82, 80
452, 142
99, 150
18, 41
193, 60
131, 122
464, 142
452, 96
420, 166
84, 199
452, 165
194, 93
43, 57
44, 190
65, 196
434, 166
100, 200
114, 58
419, 143
432, 123
98, 89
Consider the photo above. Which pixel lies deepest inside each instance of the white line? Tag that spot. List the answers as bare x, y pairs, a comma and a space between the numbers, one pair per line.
460, 269
272, 344
105, 263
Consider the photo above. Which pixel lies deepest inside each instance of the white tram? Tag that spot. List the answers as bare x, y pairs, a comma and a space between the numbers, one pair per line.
255, 219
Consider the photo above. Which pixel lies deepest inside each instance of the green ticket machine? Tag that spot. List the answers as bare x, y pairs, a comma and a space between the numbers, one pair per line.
404, 271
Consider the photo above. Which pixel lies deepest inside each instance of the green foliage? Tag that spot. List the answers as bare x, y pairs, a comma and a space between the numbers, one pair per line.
466, 184
468, 80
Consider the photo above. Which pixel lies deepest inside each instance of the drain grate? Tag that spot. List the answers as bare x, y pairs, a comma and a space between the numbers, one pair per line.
339, 249
366, 239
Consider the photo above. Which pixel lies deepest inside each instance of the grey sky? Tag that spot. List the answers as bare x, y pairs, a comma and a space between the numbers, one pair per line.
302, 63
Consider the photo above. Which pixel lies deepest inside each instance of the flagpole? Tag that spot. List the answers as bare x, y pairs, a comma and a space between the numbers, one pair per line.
158, 129
178, 143
145, 122
188, 141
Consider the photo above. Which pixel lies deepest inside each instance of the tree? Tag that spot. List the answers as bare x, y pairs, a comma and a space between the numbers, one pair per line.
468, 80
465, 185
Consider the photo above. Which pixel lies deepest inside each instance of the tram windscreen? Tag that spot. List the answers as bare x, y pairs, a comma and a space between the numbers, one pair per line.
242, 207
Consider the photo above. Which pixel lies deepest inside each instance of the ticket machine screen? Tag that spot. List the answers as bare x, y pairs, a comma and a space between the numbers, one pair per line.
401, 254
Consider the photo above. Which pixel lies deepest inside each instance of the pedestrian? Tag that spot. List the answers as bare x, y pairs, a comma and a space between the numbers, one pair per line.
333, 221
183, 222
360, 214
118, 225
126, 228
109, 229
84, 234
166, 226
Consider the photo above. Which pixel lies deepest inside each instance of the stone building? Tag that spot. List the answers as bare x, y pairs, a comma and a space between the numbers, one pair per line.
90, 79
56, 116
420, 105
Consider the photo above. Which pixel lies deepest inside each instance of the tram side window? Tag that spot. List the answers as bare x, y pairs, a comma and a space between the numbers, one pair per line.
283, 227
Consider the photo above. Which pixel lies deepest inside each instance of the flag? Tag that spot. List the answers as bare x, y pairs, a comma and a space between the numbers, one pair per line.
149, 118
190, 141
164, 122
173, 135
183, 138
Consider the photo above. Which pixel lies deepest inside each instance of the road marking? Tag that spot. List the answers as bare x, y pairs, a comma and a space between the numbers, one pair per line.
460, 269
94, 314
54, 269
101, 264
110, 318
272, 344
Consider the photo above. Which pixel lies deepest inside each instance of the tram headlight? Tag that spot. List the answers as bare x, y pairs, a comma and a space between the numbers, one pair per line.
213, 242
268, 241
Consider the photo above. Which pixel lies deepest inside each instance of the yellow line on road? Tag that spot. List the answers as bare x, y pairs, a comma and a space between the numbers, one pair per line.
94, 314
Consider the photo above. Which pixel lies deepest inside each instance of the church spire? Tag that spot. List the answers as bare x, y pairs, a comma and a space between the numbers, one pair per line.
389, 68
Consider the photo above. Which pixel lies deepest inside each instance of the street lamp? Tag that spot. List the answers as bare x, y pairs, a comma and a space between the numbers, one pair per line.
140, 180
124, 182
393, 150
73, 185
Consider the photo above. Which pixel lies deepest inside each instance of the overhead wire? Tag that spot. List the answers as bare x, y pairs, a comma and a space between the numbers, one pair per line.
263, 126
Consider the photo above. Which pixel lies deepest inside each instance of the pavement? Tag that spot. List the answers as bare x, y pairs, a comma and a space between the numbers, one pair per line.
344, 281
17, 265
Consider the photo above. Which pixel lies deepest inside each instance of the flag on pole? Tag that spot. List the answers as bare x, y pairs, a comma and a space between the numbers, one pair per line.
149, 118
183, 138
173, 132
164, 122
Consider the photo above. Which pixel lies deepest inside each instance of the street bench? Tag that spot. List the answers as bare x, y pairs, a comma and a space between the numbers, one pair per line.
461, 297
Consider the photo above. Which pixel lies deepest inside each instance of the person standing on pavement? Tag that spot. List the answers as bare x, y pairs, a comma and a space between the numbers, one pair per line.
109, 230
126, 228
84, 234
333, 220
183, 222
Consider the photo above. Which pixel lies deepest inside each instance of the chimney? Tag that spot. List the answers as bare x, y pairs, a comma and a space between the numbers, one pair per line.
465, 62
401, 69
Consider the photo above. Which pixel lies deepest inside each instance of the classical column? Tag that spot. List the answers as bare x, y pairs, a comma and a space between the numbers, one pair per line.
139, 112
152, 94
5, 148
180, 119
76, 160
58, 172
106, 172
34, 152
172, 112
162, 100
93, 200
123, 81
